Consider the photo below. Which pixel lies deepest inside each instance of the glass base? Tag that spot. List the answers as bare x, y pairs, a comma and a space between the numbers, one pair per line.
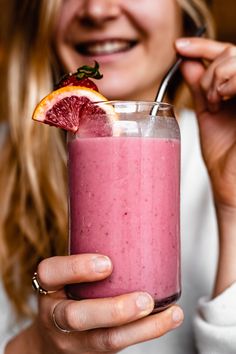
161, 305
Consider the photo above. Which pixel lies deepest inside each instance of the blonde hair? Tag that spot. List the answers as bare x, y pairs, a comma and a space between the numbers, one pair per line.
33, 214
196, 14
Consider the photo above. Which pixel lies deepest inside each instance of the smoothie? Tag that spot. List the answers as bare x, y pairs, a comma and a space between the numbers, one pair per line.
124, 203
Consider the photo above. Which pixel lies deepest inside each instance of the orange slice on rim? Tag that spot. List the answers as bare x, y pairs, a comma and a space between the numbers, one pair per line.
76, 109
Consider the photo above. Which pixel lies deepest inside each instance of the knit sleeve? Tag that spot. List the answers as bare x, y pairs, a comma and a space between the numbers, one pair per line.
4, 340
215, 323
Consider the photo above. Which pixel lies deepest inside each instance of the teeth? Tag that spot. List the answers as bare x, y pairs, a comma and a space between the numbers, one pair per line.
107, 47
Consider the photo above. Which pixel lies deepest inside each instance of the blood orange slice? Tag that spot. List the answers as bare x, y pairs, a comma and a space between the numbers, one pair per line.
74, 108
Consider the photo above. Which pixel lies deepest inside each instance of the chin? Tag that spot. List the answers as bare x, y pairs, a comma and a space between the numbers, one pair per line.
116, 89
113, 93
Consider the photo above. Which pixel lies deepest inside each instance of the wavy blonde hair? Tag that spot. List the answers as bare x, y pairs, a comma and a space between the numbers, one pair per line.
195, 14
33, 214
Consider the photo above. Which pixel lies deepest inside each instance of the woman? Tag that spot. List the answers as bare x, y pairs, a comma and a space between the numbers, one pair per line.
135, 43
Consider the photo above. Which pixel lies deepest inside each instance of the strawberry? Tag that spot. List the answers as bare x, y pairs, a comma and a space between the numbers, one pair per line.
81, 77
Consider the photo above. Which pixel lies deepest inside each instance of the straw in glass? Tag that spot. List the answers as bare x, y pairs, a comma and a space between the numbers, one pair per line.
164, 83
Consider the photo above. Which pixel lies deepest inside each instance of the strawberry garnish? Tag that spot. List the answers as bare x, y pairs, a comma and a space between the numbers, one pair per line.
81, 77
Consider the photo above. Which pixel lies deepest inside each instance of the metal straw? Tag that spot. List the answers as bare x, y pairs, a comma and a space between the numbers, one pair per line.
164, 83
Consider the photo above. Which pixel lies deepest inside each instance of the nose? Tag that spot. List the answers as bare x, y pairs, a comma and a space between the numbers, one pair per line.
98, 12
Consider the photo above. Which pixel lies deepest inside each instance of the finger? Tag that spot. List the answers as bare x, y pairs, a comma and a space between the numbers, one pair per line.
214, 76
55, 272
208, 77
222, 73
148, 328
110, 312
228, 89
202, 48
221, 70
193, 73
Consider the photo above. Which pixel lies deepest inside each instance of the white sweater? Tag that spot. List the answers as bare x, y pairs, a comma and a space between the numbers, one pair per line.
210, 325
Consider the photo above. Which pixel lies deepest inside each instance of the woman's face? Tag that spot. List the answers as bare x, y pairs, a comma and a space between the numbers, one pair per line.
132, 40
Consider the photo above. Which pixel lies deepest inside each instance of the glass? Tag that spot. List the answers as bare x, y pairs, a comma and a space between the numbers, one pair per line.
124, 199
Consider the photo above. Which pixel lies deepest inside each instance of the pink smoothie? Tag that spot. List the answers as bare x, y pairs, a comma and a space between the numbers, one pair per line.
124, 203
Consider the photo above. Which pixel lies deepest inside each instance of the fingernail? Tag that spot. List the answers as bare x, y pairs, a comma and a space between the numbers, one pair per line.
182, 43
177, 316
221, 87
101, 264
144, 301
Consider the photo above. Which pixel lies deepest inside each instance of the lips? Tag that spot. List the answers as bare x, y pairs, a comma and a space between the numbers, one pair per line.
104, 47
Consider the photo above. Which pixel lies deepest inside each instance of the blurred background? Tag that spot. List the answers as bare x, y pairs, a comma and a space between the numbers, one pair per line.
224, 12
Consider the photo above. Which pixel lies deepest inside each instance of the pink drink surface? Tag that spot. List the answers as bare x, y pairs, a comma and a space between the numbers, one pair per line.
124, 203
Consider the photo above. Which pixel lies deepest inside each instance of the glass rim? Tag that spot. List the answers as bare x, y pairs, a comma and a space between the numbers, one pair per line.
160, 105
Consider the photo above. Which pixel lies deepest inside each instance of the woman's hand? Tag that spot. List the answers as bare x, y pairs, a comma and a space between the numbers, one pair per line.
213, 87
98, 326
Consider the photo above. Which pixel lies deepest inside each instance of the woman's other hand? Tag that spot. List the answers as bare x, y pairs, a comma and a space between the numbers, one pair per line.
99, 325
211, 77
212, 81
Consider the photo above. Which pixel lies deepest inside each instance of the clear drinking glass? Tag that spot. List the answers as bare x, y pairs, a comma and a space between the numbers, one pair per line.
124, 199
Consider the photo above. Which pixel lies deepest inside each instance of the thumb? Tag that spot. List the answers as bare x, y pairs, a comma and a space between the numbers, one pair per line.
192, 72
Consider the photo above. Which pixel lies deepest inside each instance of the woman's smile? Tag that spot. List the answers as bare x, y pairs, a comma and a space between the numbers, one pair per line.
97, 48
123, 37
